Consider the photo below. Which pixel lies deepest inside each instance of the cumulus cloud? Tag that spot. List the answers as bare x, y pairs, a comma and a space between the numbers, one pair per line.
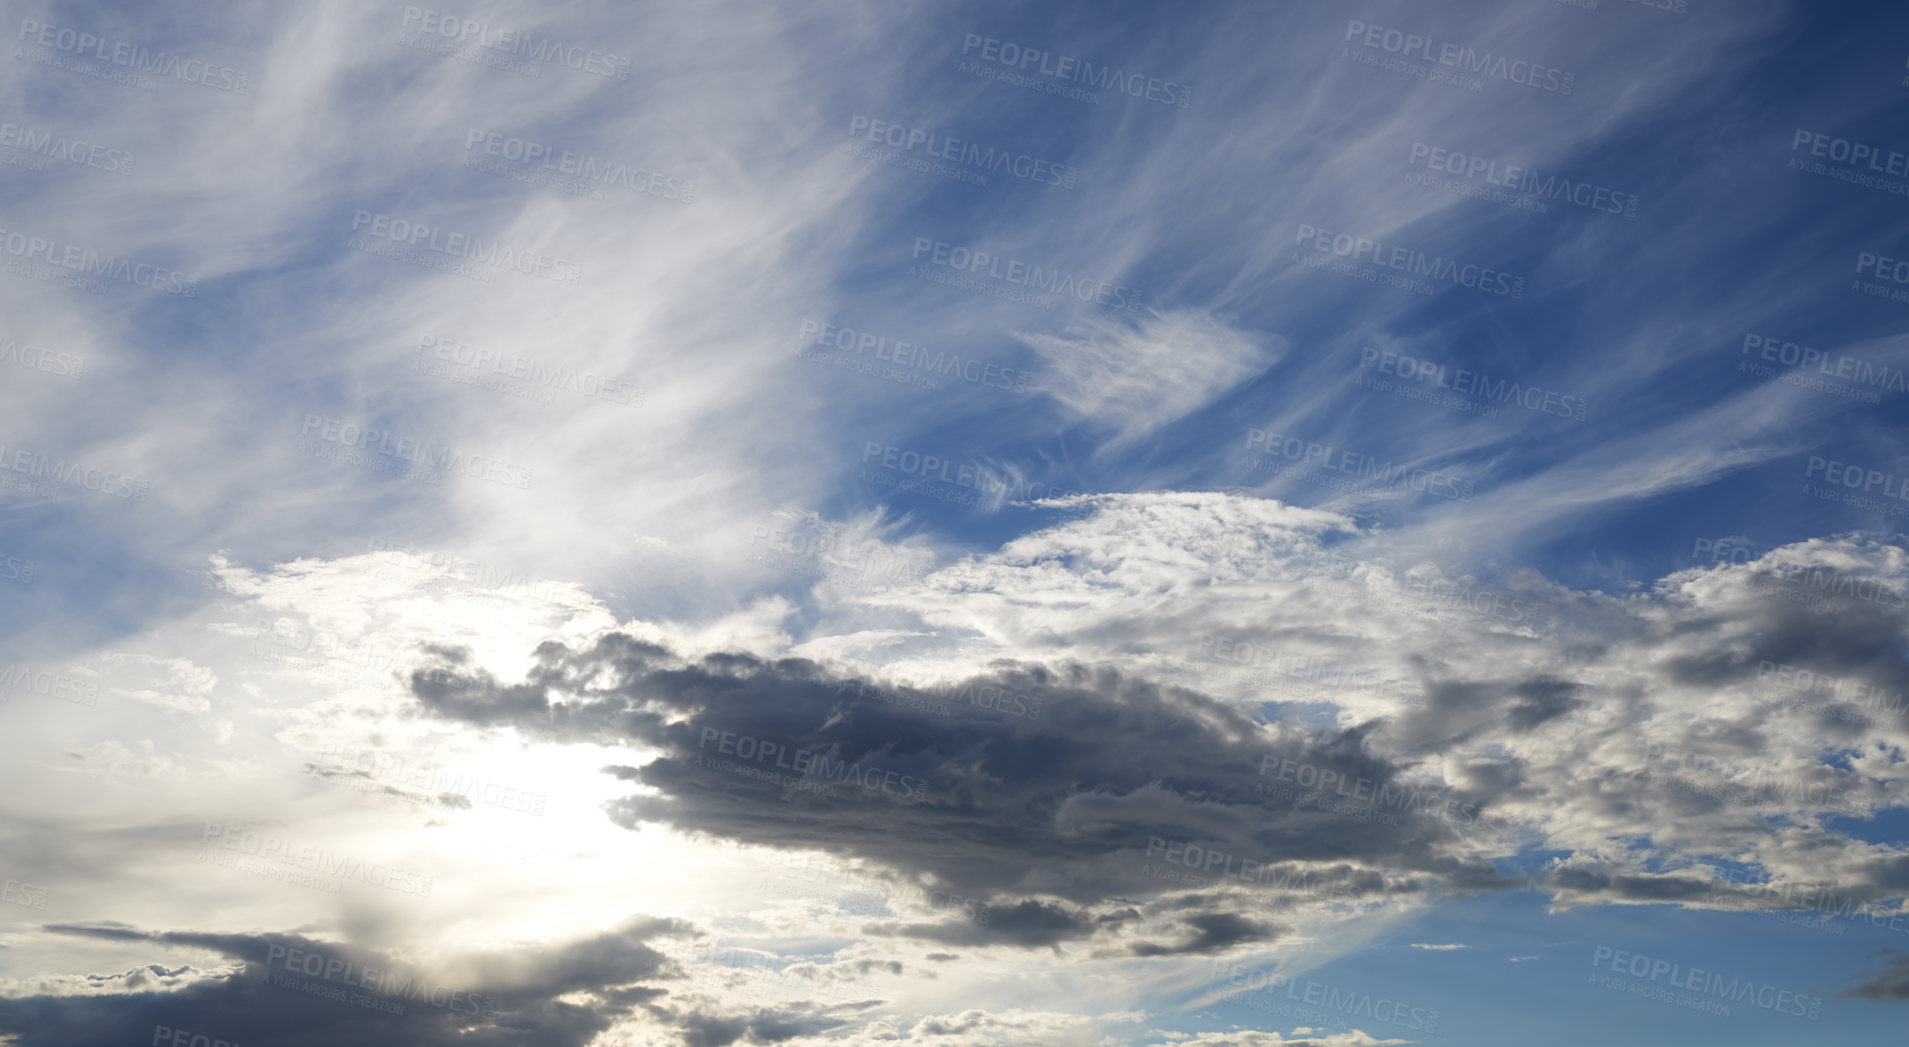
1663, 705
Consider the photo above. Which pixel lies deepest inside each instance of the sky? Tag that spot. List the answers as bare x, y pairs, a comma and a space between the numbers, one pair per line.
929, 524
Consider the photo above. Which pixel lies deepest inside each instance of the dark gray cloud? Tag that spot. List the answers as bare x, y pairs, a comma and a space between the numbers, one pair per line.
1889, 984
1028, 924
1635, 887
700, 1029
1108, 794
1542, 700
1804, 618
1214, 932
296, 991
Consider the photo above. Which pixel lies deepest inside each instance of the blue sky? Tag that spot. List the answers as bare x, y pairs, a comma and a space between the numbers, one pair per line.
1492, 402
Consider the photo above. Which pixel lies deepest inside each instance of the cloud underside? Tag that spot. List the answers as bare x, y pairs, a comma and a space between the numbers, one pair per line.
1071, 779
